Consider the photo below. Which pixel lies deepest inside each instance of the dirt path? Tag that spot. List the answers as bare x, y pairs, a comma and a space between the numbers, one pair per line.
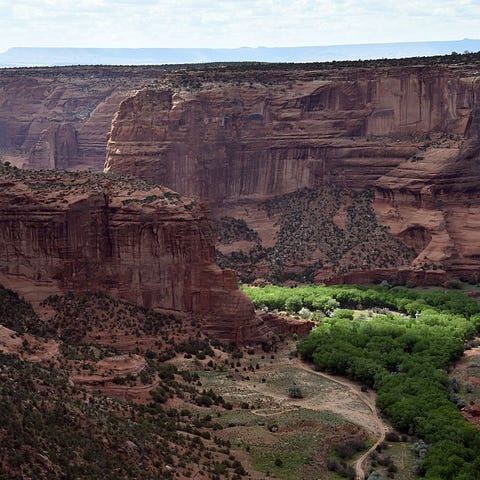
335, 394
367, 399
262, 413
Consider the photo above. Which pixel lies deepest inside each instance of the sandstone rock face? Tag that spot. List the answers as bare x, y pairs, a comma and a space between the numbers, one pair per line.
59, 117
330, 171
148, 245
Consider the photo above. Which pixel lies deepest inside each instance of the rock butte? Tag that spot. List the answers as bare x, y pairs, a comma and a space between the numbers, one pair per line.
81, 231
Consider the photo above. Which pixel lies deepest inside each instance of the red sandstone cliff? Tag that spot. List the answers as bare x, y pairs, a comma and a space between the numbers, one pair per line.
240, 139
59, 117
251, 143
89, 232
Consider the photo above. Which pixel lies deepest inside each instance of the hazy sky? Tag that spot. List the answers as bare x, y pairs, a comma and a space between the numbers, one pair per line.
232, 23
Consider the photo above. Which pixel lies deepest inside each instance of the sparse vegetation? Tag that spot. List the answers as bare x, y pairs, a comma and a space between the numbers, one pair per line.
46, 420
228, 230
128, 189
308, 225
294, 391
53, 430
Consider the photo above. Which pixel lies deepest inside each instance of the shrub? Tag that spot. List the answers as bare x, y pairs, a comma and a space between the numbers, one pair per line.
392, 437
294, 391
293, 304
350, 447
304, 313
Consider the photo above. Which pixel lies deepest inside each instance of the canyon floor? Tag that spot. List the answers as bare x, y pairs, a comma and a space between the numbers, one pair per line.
305, 433
234, 404
227, 411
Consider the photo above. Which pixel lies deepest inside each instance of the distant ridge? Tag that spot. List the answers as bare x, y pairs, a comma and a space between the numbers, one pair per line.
30, 57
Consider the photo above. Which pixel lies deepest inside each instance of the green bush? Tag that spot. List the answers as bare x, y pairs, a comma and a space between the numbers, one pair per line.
295, 391
293, 304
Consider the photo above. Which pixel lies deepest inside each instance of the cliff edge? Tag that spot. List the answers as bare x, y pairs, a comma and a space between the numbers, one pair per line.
145, 244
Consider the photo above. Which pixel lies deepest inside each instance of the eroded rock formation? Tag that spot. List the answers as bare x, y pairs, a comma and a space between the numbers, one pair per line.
387, 160
148, 245
59, 117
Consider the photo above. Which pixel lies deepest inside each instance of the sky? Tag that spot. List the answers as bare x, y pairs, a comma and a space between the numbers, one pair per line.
232, 23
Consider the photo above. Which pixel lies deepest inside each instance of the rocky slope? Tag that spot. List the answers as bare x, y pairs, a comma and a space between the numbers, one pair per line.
319, 173
74, 407
146, 244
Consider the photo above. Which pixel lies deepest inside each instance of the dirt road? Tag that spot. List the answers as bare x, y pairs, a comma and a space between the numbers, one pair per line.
368, 399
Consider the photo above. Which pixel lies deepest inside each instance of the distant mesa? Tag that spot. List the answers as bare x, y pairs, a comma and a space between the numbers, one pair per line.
28, 57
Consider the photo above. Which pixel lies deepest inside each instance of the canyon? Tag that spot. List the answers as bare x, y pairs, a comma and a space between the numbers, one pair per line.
59, 117
319, 173
324, 172
354, 174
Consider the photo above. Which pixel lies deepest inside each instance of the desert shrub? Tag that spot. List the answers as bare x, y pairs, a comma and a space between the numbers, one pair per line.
348, 448
341, 468
375, 476
392, 437
294, 391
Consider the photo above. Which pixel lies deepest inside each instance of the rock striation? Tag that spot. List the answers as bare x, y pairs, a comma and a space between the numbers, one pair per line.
121, 236
407, 138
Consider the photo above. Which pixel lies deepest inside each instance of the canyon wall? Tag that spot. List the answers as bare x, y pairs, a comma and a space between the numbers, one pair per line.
312, 172
148, 245
59, 117
319, 174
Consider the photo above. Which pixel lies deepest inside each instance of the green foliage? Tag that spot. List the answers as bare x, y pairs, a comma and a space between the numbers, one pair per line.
343, 313
324, 303
402, 299
294, 303
404, 358
304, 313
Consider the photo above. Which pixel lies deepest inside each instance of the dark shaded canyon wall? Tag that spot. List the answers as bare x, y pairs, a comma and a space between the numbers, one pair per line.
238, 140
148, 245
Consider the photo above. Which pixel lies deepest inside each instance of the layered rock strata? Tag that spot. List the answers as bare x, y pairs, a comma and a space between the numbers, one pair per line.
145, 244
408, 138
